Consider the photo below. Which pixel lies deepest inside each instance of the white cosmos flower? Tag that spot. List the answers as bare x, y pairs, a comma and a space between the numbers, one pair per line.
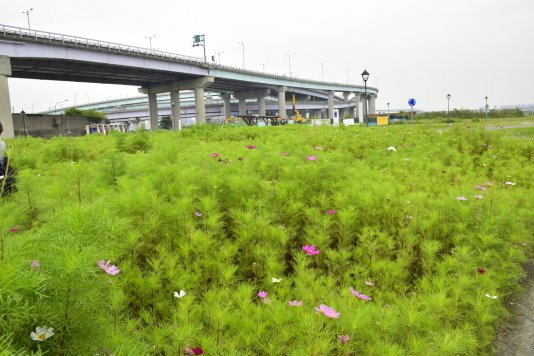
509, 183
491, 296
41, 333
276, 280
179, 295
391, 148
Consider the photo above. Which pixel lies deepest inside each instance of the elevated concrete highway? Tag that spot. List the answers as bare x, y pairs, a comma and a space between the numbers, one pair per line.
37, 54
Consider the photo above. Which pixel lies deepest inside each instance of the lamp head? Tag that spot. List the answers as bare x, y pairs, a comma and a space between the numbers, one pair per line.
448, 96
365, 75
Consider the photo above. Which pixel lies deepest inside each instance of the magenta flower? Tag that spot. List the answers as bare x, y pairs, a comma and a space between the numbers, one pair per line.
251, 147
262, 294
197, 350
310, 250
111, 270
198, 213
312, 158
480, 187
343, 339
327, 311
479, 196
15, 229
295, 303
461, 198
331, 212
215, 155
359, 295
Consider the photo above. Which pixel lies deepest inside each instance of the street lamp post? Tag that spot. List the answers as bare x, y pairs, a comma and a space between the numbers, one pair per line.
263, 65
486, 110
55, 105
243, 51
27, 12
347, 72
289, 58
388, 110
150, 39
448, 107
365, 77
322, 71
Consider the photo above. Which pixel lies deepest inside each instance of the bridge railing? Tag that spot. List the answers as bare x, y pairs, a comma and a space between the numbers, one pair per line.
76, 41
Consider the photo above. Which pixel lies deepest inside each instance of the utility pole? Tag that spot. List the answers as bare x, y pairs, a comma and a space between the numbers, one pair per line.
322, 71
243, 50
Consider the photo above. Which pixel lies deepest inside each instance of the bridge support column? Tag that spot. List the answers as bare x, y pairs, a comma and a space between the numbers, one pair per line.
346, 110
242, 106
357, 109
227, 106
200, 106
5, 105
175, 109
261, 104
153, 109
282, 102
331, 105
365, 109
372, 108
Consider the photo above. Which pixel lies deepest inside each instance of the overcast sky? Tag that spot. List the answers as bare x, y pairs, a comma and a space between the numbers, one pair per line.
423, 49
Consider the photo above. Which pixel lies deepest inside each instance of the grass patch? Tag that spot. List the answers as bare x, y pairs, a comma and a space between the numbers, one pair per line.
199, 211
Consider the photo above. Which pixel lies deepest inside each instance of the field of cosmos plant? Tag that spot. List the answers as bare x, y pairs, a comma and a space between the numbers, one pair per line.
296, 240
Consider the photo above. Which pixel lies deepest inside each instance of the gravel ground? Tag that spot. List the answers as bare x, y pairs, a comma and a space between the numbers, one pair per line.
517, 336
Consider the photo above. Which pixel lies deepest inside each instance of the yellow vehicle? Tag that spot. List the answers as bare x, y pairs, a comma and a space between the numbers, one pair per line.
298, 119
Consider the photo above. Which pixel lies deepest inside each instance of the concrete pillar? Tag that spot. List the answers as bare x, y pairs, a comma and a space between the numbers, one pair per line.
200, 106
261, 104
242, 106
153, 109
176, 119
5, 104
282, 102
357, 109
330, 105
363, 112
346, 110
372, 108
227, 105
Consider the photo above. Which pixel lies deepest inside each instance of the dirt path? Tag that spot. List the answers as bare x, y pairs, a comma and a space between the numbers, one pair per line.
517, 337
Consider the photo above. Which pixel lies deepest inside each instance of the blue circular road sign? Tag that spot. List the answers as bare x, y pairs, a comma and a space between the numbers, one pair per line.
411, 102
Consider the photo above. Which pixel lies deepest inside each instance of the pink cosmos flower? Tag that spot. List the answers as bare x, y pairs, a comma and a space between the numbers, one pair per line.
310, 250
111, 270
35, 264
250, 147
15, 229
262, 294
327, 311
343, 339
481, 270
479, 197
331, 212
197, 350
461, 198
198, 213
480, 187
312, 158
215, 155
369, 283
359, 295
295, 303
